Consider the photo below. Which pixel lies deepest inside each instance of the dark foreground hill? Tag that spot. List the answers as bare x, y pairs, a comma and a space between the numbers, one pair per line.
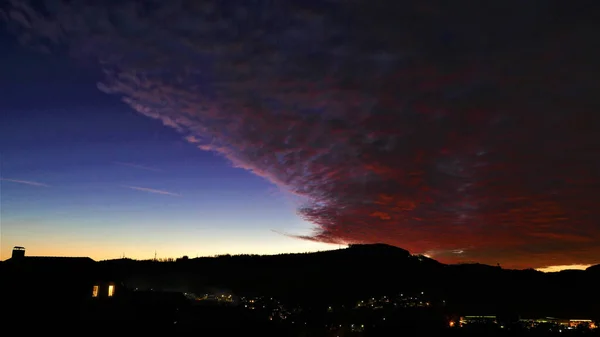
332, 277
361, 271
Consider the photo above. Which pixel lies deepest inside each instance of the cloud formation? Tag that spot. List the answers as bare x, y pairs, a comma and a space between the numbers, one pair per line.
435, 127
152, 190
25, 182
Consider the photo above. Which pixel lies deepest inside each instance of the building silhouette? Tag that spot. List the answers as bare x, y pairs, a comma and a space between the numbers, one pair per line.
18, 255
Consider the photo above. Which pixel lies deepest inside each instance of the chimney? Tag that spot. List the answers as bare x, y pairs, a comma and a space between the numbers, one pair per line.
18, 253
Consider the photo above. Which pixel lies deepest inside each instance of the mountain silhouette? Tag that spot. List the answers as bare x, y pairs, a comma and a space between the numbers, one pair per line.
338, 277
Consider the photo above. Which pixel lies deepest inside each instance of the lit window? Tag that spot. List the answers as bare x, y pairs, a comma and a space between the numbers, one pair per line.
95, 291
111, 290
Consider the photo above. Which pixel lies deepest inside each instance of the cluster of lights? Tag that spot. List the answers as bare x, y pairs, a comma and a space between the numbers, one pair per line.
221, 298
554, 324
397, 301
560, 324
273, 308
352, 327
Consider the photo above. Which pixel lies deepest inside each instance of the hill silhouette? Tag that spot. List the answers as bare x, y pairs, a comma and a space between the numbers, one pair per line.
337, 277
359, 271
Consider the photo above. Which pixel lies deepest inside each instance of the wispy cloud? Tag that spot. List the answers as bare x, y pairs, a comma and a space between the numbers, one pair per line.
192, 139
152, 190
25, 182
141, 167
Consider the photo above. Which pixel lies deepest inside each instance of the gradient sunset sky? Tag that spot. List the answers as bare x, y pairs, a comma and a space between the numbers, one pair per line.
469, 134
85, 175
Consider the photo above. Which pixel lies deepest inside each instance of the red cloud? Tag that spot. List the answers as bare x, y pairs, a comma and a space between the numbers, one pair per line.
467, 134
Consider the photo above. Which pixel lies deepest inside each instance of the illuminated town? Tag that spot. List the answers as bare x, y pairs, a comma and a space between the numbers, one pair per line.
380, 311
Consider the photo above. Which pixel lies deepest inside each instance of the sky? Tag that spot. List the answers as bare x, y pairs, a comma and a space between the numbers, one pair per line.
467, 133
83, 174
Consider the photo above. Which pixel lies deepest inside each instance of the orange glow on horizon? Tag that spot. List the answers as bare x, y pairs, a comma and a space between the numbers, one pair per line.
105, 250
553, 269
